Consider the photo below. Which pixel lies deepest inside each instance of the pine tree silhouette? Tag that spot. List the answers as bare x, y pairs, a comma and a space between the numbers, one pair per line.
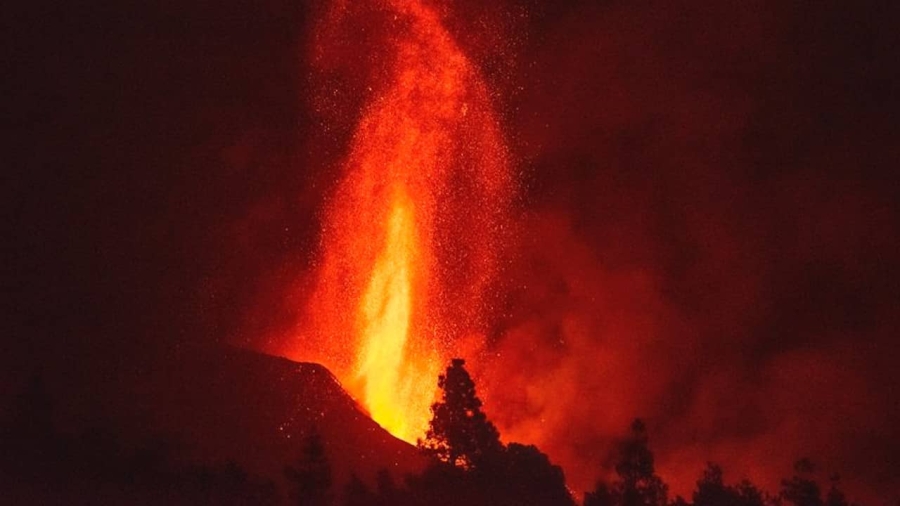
310, 480
638, 484
459, 432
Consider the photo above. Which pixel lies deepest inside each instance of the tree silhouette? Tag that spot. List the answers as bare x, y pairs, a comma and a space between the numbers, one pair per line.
459, 432
310, 481
750, 495
712, 491
802, 490
601, 496
528, 477
387, 492
357, 494
835, 495
637, 483
473, 467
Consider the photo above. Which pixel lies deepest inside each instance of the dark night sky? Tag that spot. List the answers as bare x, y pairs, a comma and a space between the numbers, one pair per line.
165, 165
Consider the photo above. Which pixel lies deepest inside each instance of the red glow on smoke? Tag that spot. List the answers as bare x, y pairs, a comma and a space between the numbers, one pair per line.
409, 245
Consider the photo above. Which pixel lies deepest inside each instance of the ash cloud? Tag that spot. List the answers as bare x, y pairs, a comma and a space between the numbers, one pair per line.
707, 242
706, 233
708, 218
707, 221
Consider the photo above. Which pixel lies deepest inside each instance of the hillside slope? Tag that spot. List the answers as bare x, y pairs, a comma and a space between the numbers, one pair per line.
212, 405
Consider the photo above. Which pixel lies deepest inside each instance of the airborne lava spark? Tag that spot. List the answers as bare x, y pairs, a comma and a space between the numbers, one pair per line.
411, 239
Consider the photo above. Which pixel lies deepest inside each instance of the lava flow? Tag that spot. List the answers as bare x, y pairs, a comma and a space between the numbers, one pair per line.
411, 238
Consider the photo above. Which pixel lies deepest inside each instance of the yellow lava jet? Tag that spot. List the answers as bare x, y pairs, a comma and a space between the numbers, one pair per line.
409, 245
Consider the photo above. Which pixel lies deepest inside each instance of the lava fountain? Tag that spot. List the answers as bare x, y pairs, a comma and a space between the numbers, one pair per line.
412, 236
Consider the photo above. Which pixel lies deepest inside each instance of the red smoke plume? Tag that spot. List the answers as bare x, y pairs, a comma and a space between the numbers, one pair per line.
699, 244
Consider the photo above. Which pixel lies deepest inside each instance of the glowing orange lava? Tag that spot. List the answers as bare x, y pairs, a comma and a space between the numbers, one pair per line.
409, 246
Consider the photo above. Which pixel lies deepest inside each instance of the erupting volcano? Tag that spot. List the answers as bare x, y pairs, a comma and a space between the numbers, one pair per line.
410, 241
242, 237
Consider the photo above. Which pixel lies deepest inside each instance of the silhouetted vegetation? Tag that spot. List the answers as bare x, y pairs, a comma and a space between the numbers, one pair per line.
356, 493
460, 433
712, 491
835, 495
470, 466
637, 483
802, 489
310, 479
40, 465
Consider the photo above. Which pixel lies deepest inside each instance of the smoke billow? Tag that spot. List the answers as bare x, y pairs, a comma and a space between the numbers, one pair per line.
706, 231
706, 244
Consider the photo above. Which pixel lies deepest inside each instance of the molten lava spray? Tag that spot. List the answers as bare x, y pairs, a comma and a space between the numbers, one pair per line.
411, 238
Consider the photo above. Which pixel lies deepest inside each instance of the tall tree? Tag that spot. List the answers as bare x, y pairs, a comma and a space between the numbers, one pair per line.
637, 483
802, 489
602, 495
474, 468
835, 495
711, 488
387, 492
712, 491
528, 477
357, 494
459, 432
310, 480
